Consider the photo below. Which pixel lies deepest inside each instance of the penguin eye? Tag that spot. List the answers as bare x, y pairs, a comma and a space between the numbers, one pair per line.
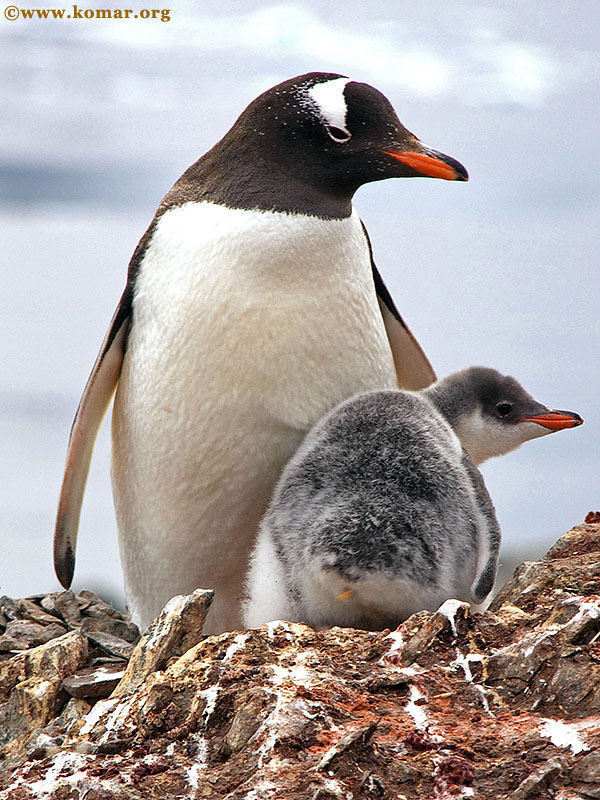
337, 134
504, 409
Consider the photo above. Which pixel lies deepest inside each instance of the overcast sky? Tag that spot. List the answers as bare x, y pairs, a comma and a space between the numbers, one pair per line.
99, 117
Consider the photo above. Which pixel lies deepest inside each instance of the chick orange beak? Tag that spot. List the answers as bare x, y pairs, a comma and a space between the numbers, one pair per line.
432, 164
556, 420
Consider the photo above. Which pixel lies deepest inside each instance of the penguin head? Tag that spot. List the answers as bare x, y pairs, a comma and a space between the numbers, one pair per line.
493, 414
327, 134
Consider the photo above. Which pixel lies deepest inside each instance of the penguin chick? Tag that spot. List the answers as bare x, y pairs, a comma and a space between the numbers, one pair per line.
382, 512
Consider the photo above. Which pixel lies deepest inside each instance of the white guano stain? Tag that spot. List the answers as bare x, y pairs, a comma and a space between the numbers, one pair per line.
210, 696
237, 644
417, 712
449, 609
273, 629
101, 708
464, 662
45, 787
562, 734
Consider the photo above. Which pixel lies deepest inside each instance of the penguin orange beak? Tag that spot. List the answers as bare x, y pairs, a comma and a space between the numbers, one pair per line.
431, 163
556, 420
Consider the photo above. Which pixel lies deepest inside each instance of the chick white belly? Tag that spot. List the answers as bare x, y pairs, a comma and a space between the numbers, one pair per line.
234, 353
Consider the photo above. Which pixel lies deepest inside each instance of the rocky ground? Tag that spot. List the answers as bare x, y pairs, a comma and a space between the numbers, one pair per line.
504, 704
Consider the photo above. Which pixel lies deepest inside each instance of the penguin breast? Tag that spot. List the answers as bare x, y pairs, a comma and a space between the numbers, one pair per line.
265, 305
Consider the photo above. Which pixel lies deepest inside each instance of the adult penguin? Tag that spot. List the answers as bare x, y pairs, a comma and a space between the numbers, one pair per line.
252, 307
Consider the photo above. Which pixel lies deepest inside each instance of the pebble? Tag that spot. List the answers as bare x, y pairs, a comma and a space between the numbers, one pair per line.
94, 681
8, 608
22, 634
111, 644
32, 621
92, 606
28, 609
64, 605
126, 631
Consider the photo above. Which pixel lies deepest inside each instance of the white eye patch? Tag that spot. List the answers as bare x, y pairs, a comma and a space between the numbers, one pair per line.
331, 105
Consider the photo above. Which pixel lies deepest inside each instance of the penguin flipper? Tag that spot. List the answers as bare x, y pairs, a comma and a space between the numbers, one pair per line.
413, 368
92, 408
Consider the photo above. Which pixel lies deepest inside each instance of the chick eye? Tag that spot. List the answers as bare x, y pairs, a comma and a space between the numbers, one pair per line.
504, 409
337, 134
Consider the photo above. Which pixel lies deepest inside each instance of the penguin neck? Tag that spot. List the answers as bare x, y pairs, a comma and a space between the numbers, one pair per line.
464, 418
447, 401
247, 179
477, 434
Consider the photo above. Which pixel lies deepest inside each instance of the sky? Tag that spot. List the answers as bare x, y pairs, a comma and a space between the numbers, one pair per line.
100, 117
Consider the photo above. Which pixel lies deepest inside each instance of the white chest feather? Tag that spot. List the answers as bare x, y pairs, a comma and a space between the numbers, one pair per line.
259, 307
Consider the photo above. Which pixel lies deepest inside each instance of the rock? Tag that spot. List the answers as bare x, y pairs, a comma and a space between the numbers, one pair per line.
356, 739
554, 668
63, 605
31, 687
70, 719
96, 681
452, 704
125, 631
56, 659
44, 743
8, 608
535, 783
21, 634
116, 637
571, 567
111, 644
29, 609
176, 629
37, 700
92, 606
